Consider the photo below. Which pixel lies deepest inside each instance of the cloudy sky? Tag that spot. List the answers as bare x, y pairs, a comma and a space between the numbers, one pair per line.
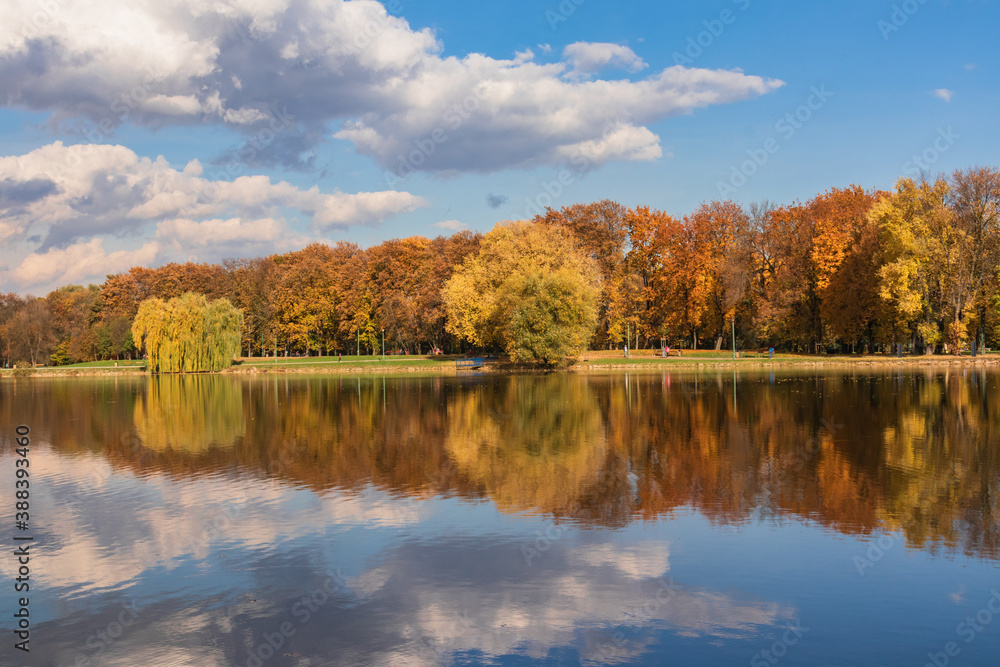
172, 130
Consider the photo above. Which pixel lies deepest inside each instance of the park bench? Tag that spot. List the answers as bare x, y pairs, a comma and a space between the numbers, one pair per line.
470, 364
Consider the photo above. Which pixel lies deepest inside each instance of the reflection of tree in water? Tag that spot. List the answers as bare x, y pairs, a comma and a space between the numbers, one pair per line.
857, 453
351, 432
942, 456
189, 413
534, 442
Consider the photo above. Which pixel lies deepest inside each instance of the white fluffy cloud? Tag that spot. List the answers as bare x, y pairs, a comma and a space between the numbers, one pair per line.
85, 189
587, 57
298, 68
79, 262
59, 204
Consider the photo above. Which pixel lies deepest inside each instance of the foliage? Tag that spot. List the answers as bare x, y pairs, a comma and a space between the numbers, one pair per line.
188, 333
923, 278
528, 290
551, 315
601, 232
30, 331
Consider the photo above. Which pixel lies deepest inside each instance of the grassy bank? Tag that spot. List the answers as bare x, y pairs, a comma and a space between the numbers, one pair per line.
595, 360
438, 365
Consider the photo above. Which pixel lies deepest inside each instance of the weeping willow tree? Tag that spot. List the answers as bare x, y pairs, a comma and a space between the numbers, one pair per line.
188, 333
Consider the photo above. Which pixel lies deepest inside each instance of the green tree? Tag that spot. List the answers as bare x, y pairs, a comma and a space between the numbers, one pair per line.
528, 290
551, 315
188, 333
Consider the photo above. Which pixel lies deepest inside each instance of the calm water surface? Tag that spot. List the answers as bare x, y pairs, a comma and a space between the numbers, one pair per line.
681, 519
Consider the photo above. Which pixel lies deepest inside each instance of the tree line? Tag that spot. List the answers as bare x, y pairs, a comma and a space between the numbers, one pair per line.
849, 270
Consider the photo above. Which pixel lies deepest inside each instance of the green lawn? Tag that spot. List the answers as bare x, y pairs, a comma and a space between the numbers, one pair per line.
434, 363
644, 357
137, 363
406, 360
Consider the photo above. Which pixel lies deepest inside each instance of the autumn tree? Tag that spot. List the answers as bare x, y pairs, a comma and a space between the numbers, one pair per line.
10, 304
974, 198
75, 312
601, 231
846, 254
307, 294
447, 254
30, 332
924, 278
787, 313
398, 271
252, 289
706, 266
645, 290
357, 308
396, 286
188, 333
528, 290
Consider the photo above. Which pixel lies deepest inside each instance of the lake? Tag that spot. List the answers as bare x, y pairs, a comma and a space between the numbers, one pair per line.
842, 518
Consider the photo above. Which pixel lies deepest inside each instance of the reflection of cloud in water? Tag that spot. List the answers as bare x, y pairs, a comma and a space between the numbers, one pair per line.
167, 656
438, 601
109, 527
426, 604
417, 603
650, 559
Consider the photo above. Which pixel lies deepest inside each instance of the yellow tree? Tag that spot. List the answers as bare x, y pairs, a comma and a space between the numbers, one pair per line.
924, 263
601, 231
974, 198
357, 307
307, 293
528, 290
188, 333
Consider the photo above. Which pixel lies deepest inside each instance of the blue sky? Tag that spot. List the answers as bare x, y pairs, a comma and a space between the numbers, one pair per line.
556, 104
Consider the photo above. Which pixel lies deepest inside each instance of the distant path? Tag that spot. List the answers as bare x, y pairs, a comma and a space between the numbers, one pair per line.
593, 362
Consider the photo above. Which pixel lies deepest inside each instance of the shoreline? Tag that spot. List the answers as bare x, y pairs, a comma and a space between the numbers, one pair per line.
447, 368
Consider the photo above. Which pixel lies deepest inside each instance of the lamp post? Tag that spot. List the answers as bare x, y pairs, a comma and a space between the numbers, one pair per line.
383, 343
734, 335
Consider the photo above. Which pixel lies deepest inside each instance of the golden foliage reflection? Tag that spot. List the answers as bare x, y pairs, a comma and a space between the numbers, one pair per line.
856, 453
